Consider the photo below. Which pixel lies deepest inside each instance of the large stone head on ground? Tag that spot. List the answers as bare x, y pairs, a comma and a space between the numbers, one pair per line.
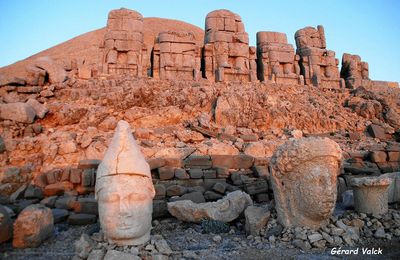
124, 190
303, 175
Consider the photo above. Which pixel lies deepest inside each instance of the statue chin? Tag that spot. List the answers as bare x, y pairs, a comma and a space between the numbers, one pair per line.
130, 241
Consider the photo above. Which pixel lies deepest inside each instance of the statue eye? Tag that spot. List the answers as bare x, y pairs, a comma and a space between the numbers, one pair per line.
110, 198
137, 197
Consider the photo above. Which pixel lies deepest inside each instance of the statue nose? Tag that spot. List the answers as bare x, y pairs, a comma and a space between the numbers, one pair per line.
124, 208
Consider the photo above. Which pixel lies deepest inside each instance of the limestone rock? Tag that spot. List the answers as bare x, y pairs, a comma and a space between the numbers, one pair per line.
6, 225
225, 209
83, 246
256, 219
20, 112
303, 176
33, 225
56, 72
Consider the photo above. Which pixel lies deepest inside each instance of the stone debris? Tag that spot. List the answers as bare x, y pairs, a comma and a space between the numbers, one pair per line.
33, 225
225, 209
256, 218
19, 112
6, 225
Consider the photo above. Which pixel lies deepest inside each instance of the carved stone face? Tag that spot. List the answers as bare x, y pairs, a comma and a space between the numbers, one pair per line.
125, 208
315, 192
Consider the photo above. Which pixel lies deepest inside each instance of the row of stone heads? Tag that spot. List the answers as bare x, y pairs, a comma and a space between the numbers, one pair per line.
226, 54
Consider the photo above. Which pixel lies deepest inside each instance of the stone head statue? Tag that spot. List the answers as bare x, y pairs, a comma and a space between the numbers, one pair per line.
303, 176
124, 190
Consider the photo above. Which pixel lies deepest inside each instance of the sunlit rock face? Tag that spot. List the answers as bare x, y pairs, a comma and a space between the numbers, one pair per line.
304, 174
125, 191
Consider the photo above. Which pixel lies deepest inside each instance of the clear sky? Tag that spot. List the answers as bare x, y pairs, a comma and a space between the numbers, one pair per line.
368, 28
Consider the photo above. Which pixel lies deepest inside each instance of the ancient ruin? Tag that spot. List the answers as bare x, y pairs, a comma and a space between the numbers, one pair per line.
176, 56
227, 55
318, 65
153, 138
304, 176
124, 190
123, 49
276, 59
354, 71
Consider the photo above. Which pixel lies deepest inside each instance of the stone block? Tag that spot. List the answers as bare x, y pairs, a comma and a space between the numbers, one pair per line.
222, 173
378, 156
261, 197
57, 188
219, 187
75, 176
89, 164
49, 201
196, 173
81, 219
261, 172
394, 156
209, 174
160, 209
156, 163
65, 202
85, 205
198, 160
394, 187
212, 196
176, 190
60, 215
209, 183
65, 174
160, 191
40, 109
260, 186
241, 161
377, 131
166, 172
33, 192
181, 174
88, 175
255, 219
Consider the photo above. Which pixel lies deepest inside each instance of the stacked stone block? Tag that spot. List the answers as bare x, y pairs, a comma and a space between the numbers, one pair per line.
276, 59
227, 55
176, 56
354, 71
318, 65
124, 51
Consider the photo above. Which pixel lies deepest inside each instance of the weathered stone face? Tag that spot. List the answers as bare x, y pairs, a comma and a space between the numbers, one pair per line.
125, 207
318, 65
124, 190
227, 55
304, 173
276, 60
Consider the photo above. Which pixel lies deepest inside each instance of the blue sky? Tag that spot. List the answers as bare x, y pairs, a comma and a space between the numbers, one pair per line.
370, 29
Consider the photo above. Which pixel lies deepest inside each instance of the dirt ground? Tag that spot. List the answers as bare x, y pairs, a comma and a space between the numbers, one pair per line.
188, 242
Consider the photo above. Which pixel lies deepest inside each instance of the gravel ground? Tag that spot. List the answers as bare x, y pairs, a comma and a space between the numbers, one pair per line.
188, 241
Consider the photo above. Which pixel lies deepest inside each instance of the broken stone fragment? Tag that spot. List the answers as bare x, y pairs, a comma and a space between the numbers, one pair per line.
33, 225
19, 112
225, 209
